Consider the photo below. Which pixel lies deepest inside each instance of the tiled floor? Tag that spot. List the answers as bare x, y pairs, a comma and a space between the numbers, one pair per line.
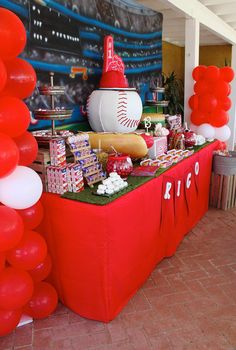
189, 302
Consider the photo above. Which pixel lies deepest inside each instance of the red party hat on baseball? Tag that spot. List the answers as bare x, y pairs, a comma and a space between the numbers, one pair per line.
113, 67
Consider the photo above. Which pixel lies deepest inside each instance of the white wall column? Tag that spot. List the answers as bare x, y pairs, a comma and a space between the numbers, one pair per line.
232, 112
191, 61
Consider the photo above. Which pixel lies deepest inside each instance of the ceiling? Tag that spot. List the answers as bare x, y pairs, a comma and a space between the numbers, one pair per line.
174, 20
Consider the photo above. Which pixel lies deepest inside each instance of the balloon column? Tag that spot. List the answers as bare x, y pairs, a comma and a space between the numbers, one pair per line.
24, 261
211, 101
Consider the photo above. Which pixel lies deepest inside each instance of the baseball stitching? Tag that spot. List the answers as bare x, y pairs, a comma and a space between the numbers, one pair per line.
87, 105
122, 111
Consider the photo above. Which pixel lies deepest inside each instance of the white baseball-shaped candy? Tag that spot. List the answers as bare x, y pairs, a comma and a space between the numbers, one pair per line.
114, 110
106, 182
100, 191
113, 174
101, 187
116, 183
108, 191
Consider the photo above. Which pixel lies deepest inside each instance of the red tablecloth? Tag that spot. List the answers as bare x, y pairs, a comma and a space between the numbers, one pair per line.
102, 254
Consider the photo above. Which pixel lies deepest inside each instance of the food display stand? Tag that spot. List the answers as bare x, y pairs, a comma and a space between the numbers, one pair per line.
103, 253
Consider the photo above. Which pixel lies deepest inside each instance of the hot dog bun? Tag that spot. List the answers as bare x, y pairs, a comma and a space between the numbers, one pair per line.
131, 144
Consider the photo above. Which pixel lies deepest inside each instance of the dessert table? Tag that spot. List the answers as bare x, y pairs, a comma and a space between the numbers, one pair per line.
102, 254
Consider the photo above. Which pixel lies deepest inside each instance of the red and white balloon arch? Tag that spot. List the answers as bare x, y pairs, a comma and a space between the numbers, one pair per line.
24, 260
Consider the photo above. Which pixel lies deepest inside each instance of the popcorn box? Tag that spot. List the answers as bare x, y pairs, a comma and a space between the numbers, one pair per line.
159, 147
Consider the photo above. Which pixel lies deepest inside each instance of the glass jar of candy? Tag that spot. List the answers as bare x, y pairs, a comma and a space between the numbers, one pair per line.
190, 139
120, 163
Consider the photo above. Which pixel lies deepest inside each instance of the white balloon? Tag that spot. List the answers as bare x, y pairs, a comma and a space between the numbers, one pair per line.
223, 133
194, 127
114, 110
21, 189
206, 130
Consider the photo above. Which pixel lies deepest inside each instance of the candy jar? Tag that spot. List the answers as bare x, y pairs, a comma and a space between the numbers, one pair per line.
120, 163
190, 139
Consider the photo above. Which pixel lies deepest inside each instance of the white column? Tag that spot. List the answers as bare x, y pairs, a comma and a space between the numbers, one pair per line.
191, 61
232, 112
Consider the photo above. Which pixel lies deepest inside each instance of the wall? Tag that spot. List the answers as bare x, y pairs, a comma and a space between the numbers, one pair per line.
216, 55
172, 59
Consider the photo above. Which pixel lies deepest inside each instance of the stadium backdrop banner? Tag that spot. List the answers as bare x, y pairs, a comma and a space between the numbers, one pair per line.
66, 37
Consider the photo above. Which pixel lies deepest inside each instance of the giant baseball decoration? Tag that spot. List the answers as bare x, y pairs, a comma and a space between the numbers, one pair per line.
114, 107
23, 252
210, 103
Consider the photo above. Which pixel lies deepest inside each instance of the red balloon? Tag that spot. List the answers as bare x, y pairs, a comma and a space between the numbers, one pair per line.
202, 87
221, 89
193, 102
2, 261
29, 252
42, 270
199, 117
227, 74
43, 302
219, 118
11, 228
212, 73
229, 90
9, 320
28, 148
21, 78
3, 75
198, 72
9, 155
16, 288
14, 116
207, 102
12, 35
225, 103
32, 216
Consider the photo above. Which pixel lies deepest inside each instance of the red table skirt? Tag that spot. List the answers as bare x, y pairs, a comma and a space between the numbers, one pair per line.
103, 254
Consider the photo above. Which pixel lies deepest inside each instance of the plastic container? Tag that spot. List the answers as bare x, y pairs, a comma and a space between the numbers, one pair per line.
225, 165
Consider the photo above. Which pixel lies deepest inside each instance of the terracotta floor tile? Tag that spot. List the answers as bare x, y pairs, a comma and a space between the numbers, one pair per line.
59, 320
117, 330
115, 346
74, 318
61, 309
187, 303
137, 337
161, 342
217, 295
89, 341
7, 342
194, 275
23, 335
42, 339
140, 301
150, 283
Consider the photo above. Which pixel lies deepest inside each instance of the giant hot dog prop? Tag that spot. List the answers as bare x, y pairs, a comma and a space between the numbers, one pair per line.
131, 144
